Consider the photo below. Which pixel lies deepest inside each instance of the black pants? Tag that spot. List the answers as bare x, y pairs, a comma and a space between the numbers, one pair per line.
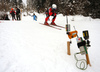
18, 17
47, 17
13, 17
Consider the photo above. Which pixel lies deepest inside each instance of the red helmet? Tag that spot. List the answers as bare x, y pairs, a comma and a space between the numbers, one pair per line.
12, 9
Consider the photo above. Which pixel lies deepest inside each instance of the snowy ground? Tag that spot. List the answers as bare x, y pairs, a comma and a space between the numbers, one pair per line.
27, 46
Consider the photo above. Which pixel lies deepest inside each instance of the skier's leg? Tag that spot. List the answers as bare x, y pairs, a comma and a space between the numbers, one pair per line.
47, 16
53, 19
46, 19
12, 17
19, 17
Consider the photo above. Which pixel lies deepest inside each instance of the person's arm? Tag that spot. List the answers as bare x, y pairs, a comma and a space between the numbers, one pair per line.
50, 13
15, 12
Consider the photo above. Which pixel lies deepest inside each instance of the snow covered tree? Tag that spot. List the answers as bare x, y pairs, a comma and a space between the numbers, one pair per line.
4, 5
69, 7
94, 8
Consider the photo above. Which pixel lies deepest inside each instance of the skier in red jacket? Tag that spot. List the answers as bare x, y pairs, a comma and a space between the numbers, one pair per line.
13, 13
51, 12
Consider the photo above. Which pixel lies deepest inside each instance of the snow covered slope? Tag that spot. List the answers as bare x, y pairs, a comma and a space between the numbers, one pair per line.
27, 46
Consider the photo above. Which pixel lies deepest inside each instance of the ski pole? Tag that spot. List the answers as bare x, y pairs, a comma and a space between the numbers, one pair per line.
66, 19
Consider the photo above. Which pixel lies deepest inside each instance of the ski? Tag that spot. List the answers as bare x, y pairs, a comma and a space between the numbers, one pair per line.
50, 26
58, 26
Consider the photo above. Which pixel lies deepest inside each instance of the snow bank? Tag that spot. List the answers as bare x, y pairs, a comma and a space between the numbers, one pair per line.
27, 46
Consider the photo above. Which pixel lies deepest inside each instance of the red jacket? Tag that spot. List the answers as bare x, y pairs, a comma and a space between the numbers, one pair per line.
51, 11
12, 12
